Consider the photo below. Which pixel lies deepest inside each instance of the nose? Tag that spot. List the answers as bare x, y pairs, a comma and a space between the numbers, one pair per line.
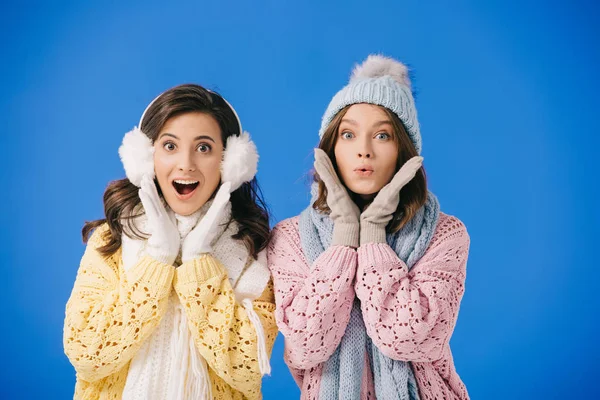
365, 148
186, 163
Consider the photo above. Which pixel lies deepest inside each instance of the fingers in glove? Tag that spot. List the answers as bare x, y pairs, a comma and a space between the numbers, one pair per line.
406, 173
325, 169
149, 187
413, 164
224, 193
219, 202
148, 204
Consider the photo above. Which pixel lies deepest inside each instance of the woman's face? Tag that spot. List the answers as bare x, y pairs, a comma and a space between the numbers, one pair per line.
366, 150
187, 160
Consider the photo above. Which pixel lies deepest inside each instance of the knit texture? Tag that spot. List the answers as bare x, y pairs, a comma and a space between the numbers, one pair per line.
409, 315
109, 315
167, 366
393, 379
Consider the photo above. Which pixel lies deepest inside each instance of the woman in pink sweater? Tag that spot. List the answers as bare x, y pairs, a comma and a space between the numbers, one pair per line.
369, 278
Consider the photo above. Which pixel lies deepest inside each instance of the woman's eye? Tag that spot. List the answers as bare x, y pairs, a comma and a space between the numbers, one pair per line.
347, 135
204, 148
382, 136
169, 146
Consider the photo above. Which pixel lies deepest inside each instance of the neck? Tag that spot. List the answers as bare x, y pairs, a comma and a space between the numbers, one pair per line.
362, 200
185, 223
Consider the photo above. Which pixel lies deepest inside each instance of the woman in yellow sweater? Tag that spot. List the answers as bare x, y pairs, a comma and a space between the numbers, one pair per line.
173, 299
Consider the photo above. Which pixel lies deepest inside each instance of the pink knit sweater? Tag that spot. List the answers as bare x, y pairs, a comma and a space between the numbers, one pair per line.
410, 316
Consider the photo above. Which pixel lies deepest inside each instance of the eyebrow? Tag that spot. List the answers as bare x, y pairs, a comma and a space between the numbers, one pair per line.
350, 121
375, 125
201, 137
379, 123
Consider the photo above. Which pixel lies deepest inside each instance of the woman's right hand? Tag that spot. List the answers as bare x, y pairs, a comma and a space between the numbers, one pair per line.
164, 241
345, 213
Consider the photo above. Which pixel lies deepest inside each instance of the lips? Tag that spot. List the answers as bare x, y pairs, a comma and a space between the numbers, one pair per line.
364, 170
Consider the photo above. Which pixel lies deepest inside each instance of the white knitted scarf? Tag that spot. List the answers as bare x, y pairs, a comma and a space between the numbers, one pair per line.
168, 366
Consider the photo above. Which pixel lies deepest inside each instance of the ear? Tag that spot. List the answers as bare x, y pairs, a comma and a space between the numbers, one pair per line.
137, 156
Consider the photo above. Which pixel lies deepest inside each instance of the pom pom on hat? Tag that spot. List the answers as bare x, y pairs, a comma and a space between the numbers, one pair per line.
376, 66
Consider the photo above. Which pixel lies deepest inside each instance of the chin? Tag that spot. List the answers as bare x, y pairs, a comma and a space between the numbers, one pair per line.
185, 212
184, 209
365, 188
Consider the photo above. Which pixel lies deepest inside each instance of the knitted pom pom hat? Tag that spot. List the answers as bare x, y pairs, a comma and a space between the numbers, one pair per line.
382, 81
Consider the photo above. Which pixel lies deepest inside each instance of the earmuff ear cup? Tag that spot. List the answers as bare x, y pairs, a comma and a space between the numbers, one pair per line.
240, 160
137, 155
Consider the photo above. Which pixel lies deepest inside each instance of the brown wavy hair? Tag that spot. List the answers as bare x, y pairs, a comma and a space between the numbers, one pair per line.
412, 196
121, 200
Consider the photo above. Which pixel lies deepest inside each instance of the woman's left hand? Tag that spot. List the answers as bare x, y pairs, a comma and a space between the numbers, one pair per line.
378, 214
199, 240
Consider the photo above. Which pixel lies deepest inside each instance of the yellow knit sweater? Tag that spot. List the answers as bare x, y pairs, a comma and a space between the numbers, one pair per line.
111, 313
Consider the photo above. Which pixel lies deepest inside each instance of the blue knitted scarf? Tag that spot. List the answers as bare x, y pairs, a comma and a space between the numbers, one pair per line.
342, 373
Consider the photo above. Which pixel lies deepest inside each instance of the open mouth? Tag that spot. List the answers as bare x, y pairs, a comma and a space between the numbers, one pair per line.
185, 188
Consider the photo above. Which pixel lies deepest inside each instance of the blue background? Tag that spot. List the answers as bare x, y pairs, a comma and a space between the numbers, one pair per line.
507, 100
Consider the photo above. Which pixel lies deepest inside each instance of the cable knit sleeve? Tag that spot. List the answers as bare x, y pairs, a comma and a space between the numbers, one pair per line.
410, 316
109, 313
222, 331
313, 302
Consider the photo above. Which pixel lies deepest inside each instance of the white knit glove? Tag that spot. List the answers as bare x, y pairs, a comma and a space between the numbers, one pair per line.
344, 212
164, 241
199, 240
374, 220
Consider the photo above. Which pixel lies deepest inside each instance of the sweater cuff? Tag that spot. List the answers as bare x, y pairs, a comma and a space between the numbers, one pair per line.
199, 269
334, 261
380, 257
147, 269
